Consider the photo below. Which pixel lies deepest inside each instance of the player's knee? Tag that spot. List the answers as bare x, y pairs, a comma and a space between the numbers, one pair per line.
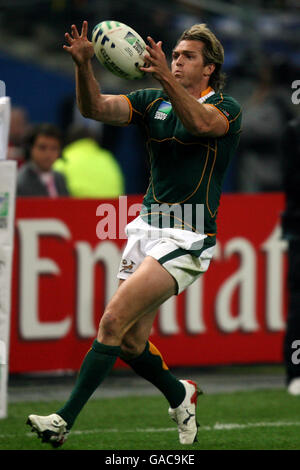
131, 348
110, 326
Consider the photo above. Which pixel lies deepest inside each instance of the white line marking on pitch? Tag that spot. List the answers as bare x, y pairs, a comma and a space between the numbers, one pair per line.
215, 427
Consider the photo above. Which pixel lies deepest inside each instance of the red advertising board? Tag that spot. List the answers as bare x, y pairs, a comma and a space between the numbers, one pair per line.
63, 275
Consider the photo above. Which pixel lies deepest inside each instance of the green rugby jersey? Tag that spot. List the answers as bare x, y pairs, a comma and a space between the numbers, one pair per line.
185, 169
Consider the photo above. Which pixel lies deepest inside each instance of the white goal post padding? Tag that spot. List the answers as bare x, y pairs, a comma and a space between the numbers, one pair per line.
8, 174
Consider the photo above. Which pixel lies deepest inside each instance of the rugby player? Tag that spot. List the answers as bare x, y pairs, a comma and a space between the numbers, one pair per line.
192, 131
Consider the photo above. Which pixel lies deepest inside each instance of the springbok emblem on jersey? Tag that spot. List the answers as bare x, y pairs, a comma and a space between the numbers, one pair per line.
127, 266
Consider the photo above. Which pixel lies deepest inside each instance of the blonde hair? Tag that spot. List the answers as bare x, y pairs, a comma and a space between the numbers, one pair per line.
213, 52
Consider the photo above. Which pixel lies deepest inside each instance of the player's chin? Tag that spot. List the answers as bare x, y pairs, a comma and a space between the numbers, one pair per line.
178, 75
179, 79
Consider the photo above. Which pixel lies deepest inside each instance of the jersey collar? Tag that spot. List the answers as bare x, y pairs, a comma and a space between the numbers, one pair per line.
206, 94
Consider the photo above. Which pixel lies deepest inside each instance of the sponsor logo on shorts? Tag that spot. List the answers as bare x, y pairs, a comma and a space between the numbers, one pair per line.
127, 266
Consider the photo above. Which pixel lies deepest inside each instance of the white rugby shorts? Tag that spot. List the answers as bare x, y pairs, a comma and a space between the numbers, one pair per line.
167, 246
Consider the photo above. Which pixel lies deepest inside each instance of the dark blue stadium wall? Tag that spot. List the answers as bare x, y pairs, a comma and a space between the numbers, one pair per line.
37, 89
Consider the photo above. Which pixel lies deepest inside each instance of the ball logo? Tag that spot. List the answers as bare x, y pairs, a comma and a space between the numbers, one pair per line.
134, 42
119, 48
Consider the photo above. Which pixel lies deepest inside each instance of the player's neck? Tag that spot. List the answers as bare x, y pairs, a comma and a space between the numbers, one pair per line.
200, 91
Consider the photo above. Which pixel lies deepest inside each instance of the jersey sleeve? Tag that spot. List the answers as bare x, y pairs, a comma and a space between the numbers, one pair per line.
231, 110
138, 103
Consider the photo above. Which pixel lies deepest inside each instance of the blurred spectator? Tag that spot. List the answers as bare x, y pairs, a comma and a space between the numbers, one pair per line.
36, 177
265, 116
90, 170
291, 232
69, 115
125, 143
18, 128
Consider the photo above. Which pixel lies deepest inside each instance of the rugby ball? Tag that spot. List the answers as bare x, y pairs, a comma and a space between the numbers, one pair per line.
119, 48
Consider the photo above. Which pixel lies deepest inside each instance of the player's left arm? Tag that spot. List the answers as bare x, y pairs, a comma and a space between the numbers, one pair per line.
199, 119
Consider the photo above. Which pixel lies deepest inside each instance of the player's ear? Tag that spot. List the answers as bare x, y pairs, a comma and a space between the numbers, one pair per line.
209, 69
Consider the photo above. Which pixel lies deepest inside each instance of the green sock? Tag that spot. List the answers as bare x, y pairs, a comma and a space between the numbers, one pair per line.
96, 365
151, 366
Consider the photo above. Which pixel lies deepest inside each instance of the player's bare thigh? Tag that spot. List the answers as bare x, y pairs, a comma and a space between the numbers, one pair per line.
139, 295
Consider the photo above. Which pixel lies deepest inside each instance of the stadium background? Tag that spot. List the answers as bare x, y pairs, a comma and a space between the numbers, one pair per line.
262, 60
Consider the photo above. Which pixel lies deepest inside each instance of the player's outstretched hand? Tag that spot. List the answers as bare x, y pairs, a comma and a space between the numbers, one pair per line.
80, 48
156, 62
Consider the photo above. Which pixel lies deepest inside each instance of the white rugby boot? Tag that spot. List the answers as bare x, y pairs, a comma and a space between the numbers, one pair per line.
52, 428
185, 414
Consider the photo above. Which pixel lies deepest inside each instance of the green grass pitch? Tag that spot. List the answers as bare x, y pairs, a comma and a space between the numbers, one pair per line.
253, 420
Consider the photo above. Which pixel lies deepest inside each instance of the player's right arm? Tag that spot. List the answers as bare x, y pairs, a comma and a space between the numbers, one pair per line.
110, 109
